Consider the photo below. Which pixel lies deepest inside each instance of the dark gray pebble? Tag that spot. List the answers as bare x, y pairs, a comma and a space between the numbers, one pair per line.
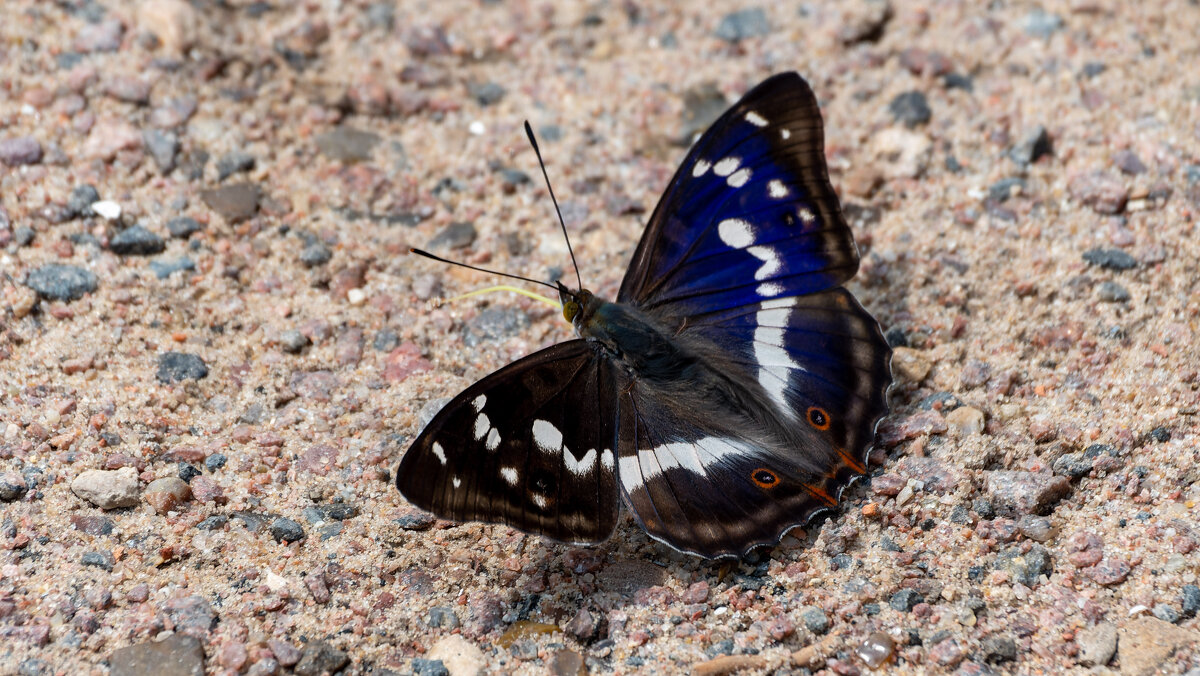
910, 109
329, 530
415, 521
424, 667
905, 599
188, 472
1160, 434
958, 81
744, 24
486, 93
234, 163
1093, 68
165, 268
1189, 598
23, 235
215, 522
163, 147
815, 620
81, 200
176, 366
136, 241
896, 337
102, 559
61, 282
183, 226
315, 254
1025, 567
724, 647
984, 508
386, 340
215, 462
1166, 613
1005, 188
235, 203
1111, 292
457, 235
442, 617
320, 658
1034, 145
1110, 259
284, 529
12, 487
1073, 465
253, 521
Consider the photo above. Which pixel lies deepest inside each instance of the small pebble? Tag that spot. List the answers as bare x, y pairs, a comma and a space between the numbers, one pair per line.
910, 109
1097, 645
967, 420
442, 617
175, 655
235, 203
167, 494
174, 367
1190, 600
1005, 188
454, 236
1166, 613
183, 227
19, 151
1111, 292
163, 147
12, 487
108, 489
876, 649
104, 36
215, 462
815, 620
292, 341
1033, 145
187, 472
1110, 259
486, 93
1025, 567
385, 340
163, 269
318, 657
905, 599
1026, 492
423, 667
998, 649
136, 241
743, 25
234, 163
347, 144
1105, 194
315, 254
215, 522
82, 198
286, 530
107, 209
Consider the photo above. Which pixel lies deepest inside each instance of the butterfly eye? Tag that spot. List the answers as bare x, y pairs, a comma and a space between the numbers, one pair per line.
818, 418
764, 478
570, 309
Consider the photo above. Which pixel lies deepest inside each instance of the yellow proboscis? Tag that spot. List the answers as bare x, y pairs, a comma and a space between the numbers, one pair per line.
504, 287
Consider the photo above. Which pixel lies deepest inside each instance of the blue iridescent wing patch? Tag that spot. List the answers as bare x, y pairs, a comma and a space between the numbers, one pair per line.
749, 215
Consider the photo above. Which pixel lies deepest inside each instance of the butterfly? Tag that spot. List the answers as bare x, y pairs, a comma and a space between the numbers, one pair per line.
729, 394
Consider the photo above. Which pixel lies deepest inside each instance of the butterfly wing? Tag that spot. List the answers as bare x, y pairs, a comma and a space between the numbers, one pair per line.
530, 446
749, 215
723, 481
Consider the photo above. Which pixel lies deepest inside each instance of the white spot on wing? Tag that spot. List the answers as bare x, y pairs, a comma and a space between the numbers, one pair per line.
726, 166
581, 466
439, 452
773, 359
693, 456
482, 425
606, 459
539, 500
493, 439
736, 233
771, 263
756, 119
700, 167
479, 402
738, 178
547, 436
457, 482
769, 289
776, 189
806, 214
785, 134
510, 475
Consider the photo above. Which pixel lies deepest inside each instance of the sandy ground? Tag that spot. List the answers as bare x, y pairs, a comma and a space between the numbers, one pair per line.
1024, 182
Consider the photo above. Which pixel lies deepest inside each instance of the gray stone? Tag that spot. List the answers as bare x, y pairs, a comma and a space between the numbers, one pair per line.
163, 147
136, 241
176, 655
108, 489
1041, 24
815, 620
1033, 145
176, 366
486, 93
12, 487
165, 268
1005, 188
1190, 600
101, 559
235, 203
82, 197
457, 235
320, 658
233, 163
742, 25
905, 599
1026, 492
1025, 567
910, 109
315, 254
424, 667
284, 529
347, 144
1110, 259
292, 341
1111, 292
1097, 645
183, 226
61, 282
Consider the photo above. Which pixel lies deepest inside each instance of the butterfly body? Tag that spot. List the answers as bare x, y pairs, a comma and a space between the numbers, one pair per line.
728, 394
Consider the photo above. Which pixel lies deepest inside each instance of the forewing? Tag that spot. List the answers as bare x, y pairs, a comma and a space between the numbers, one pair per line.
722, 482
749, 215
530, 446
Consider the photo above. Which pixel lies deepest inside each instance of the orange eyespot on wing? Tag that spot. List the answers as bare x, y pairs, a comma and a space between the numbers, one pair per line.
818, 418
764, 478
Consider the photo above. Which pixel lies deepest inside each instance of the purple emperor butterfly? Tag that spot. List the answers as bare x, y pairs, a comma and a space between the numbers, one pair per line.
729, 394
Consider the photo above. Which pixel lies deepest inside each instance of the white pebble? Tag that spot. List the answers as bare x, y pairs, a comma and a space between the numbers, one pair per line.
107, 209
476, 128
108, 489
356, 296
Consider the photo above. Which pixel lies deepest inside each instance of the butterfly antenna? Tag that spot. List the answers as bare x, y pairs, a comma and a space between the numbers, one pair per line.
537, 151
421, 252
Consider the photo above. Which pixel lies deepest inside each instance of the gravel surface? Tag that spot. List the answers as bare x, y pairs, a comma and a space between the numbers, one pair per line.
214, 349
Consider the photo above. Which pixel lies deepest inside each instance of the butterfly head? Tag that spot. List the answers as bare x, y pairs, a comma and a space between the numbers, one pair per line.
578, 306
